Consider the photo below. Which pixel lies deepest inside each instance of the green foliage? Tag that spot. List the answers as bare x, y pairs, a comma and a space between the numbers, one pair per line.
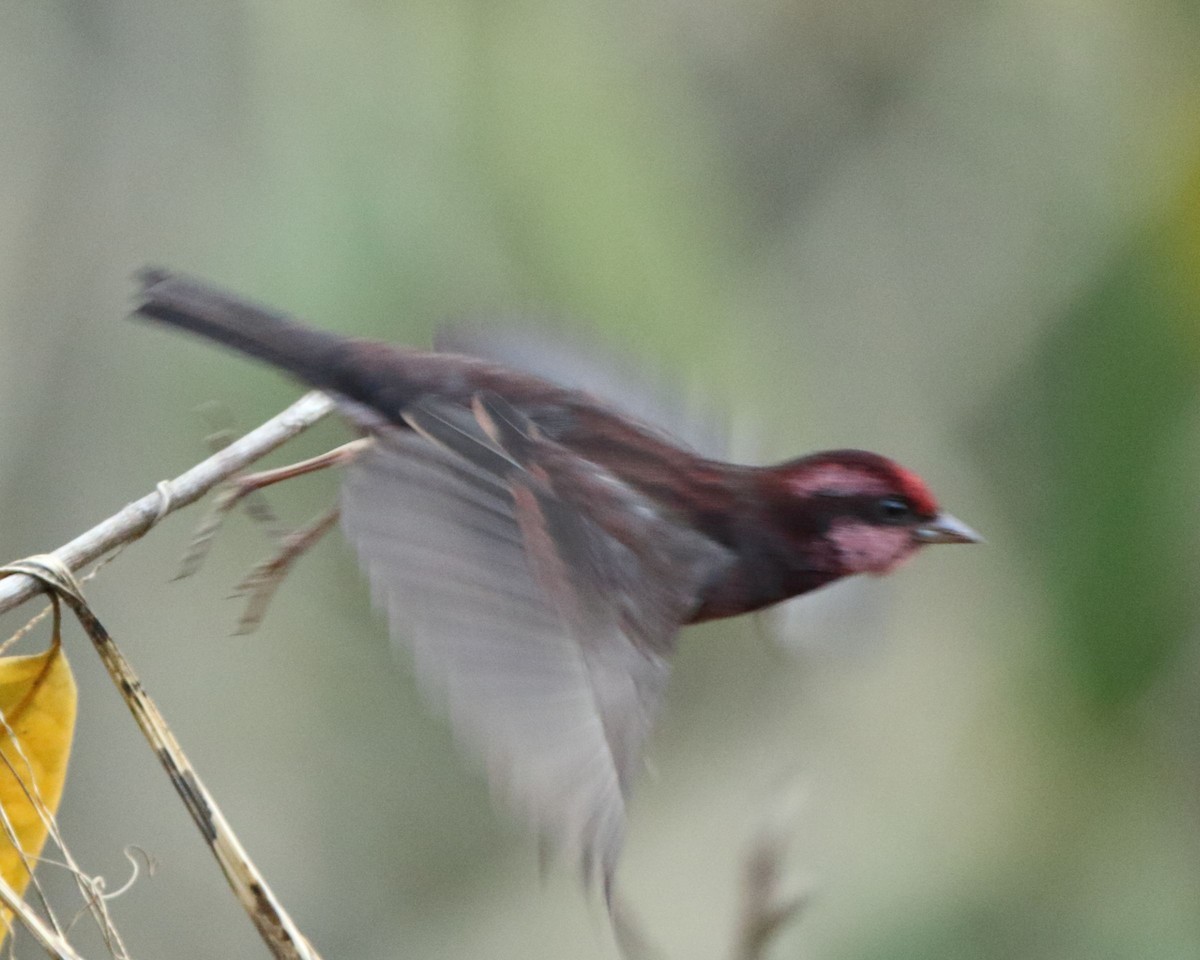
1090, 444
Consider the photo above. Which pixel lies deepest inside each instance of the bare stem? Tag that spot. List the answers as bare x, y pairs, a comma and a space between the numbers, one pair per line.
138, 517
51, 940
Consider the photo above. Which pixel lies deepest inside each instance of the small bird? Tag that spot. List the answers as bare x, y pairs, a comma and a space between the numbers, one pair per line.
539, 548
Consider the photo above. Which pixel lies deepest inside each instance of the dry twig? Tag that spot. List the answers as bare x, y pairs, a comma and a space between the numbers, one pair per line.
138, 517
770, 899
26, 579
275, 926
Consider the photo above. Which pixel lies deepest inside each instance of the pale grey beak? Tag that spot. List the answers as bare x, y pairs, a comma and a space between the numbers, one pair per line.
946, 529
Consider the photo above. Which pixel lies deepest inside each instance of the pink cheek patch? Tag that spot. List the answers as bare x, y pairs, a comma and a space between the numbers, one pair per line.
866, 548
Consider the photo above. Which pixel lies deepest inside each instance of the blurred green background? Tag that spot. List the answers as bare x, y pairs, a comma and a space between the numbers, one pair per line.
964, 234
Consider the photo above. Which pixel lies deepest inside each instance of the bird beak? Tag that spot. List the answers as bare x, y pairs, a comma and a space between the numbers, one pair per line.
946, 529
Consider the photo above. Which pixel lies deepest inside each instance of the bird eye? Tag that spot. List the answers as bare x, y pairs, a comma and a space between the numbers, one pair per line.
894, 510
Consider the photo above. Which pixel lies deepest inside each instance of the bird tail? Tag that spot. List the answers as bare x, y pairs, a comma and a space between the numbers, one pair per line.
181, 301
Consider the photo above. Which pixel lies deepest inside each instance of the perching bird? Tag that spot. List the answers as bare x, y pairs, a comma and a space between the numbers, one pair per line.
539, 548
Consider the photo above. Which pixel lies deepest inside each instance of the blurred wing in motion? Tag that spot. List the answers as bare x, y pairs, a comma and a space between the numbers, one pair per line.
619, 381
539, 618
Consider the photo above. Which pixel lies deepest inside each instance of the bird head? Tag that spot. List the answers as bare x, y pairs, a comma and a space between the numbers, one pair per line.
857, 512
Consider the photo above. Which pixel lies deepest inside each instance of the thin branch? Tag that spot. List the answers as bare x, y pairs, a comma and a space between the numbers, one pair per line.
25, 579
276, 927
53, 942
137, 518
770, 898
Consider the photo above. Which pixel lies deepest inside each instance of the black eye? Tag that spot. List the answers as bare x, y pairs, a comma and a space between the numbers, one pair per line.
894, 510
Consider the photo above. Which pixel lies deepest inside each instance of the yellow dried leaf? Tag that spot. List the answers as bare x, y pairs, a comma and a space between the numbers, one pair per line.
37, 702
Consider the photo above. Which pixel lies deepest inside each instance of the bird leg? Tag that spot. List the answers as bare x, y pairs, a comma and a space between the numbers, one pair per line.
260, 584
240, 488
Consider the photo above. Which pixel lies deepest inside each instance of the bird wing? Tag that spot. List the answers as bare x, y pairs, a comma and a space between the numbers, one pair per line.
620, 381
541, 621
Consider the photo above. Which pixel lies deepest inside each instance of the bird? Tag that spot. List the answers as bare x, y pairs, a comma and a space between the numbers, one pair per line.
538, 547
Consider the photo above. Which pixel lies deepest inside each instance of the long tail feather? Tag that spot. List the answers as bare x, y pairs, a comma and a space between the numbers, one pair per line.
203, 309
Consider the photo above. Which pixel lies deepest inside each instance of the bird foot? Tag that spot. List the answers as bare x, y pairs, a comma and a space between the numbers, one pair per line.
246, 487
260, 584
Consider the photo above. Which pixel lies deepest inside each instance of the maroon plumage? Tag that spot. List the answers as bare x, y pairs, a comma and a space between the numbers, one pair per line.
538, 547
